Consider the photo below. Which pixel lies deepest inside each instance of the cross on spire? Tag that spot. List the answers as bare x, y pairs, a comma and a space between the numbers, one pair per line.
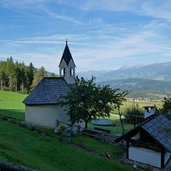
66, 41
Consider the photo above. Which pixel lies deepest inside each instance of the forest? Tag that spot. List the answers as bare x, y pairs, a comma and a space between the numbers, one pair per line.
16, 76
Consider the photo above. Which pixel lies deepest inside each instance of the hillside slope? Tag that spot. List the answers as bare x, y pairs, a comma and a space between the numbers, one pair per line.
22, 146
141, 87
11, 104
139, 80
158, 71
35, 150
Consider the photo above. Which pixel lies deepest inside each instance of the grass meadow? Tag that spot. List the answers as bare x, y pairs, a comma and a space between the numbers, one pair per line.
31, 149
11, 104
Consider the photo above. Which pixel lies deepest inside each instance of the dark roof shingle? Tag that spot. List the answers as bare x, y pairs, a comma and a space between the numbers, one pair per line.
158, 127
48, 91
160, 130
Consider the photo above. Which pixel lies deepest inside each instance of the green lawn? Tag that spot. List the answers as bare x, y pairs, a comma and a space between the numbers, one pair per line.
31, 149
11, 100
21, 146
11, 104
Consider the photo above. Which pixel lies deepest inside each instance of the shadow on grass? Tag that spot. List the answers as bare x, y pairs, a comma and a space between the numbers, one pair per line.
15, 113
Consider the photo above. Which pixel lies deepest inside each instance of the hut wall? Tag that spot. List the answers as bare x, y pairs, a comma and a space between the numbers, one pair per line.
145, 155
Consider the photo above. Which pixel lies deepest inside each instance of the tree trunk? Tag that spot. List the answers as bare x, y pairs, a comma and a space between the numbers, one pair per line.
86, 124
123, 130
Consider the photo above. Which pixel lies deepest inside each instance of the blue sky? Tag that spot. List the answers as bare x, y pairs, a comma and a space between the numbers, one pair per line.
102, 34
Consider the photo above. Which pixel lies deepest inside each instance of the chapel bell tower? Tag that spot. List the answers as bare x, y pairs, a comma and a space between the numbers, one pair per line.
67, 66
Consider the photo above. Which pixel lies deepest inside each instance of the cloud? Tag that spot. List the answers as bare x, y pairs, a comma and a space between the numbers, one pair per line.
157, 9
48, 60
143, 46
98, 48
95, 43
50, 39
62, 17
51, 8
20, 3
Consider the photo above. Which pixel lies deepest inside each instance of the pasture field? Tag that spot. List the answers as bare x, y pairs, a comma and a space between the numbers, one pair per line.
29, 148
19, 145
127, 104
11, 104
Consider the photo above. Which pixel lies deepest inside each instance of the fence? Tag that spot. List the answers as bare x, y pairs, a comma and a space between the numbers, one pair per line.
101, 135
132, 119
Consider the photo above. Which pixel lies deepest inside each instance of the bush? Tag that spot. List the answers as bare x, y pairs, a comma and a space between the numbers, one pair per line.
134, 114
166, 108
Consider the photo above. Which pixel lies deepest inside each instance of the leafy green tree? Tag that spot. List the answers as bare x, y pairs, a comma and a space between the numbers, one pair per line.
166, 107
11, 73
19, 77
39, 74
3, 75
30, 71
87, 101
22, 77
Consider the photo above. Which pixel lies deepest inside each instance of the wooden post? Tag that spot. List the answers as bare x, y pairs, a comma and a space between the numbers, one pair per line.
123, 130
162, 157
127, 149
134, 120
103, 137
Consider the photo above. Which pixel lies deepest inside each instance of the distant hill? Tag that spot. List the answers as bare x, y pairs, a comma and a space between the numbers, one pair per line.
142, 87
140, 80
156, 71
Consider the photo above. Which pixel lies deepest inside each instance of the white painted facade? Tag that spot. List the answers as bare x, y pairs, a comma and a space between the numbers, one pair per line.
45, 115
147, 156
68, 72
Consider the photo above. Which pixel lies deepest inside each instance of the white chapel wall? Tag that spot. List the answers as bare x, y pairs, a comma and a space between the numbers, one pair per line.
45, 115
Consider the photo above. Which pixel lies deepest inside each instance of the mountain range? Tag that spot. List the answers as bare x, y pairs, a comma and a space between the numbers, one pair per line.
156, 71
139, 80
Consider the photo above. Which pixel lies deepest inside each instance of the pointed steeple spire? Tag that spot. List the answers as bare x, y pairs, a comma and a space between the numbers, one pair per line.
67, 66
67, 57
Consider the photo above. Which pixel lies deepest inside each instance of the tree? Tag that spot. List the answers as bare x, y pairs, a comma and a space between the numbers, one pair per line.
39, 74
3, 76
19, 77
30, 71
166, 107
87, 101
11, 74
